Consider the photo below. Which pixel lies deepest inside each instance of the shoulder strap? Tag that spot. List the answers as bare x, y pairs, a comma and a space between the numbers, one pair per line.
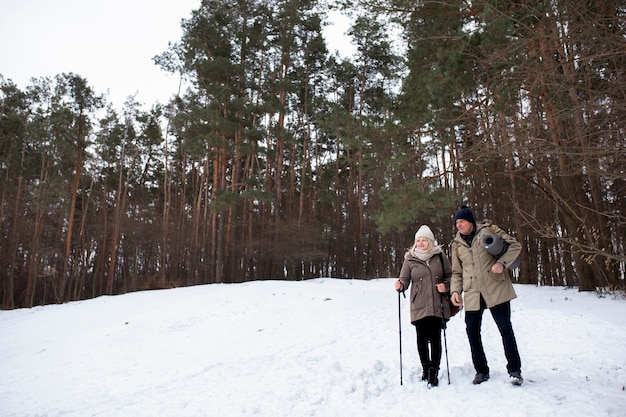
442, 267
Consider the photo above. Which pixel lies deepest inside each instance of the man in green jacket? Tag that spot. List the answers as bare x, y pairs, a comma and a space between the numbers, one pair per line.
485, 283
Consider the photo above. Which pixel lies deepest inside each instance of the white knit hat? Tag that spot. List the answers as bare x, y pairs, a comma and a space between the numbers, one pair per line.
424, 231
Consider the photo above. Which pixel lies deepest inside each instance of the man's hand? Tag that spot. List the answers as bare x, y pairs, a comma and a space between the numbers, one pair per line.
456, 299
497, 268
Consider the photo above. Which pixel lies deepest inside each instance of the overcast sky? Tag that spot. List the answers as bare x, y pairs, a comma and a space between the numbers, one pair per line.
110, 43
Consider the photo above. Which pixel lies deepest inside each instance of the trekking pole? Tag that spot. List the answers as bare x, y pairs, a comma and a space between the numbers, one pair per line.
400, 332
445, 339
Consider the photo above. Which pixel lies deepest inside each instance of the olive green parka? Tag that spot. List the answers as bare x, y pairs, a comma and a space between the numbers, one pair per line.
471, 269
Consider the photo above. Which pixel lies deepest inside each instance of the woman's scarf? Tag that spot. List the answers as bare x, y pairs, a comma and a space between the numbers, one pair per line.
425, 255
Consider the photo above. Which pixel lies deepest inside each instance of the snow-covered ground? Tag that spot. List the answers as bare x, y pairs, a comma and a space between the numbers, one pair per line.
323, 347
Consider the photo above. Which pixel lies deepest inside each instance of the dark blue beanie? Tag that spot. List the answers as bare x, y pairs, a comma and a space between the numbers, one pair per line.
466, 214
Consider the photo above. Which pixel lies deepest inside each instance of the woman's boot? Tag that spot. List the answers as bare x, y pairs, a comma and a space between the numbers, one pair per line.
433, 379
425, 368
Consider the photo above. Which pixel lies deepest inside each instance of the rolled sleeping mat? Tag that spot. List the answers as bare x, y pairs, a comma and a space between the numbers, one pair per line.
497, 247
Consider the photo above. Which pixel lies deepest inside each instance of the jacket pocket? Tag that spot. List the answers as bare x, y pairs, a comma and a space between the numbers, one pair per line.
497, 277
467, 283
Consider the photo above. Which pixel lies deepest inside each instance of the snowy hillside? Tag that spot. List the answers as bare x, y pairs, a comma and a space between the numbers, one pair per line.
323, 347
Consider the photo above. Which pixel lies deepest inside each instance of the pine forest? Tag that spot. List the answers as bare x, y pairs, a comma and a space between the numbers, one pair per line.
281, 159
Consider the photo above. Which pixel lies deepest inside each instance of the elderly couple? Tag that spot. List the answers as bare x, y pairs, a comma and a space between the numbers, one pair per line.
475, 272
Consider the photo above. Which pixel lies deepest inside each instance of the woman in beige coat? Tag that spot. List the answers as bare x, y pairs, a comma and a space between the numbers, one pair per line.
427, 271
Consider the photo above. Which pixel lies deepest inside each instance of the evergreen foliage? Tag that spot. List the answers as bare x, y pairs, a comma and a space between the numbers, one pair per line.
280, 160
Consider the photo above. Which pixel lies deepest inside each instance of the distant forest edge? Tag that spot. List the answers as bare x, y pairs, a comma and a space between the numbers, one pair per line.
280, 160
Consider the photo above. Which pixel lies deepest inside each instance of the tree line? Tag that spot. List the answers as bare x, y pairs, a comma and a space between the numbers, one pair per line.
281, 160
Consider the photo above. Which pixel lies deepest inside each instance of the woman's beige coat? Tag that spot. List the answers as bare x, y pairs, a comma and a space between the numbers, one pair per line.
471, 269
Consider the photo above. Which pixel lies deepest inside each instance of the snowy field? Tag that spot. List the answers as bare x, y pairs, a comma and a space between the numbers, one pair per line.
323, 347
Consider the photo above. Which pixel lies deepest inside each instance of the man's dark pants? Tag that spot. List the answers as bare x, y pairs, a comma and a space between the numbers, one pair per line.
502, 316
